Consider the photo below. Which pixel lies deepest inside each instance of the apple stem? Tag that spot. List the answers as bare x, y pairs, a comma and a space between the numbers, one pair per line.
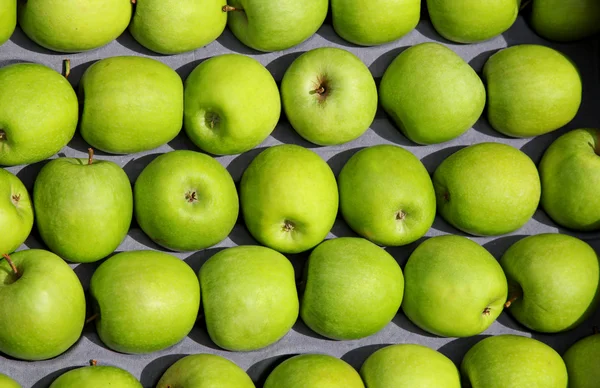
93, 362
133, 1
90, 156
511, 300
229, 8
91, 319
524, 5
10, 262
66, 68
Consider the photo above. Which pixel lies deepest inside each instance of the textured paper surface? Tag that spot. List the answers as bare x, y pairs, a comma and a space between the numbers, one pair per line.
148, 368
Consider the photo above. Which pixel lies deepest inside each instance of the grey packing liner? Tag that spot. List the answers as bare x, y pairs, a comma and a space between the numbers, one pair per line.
300, 339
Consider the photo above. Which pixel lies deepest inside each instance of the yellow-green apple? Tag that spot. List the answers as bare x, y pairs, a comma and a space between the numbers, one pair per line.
8, 19
7, 382
16, 212
582, 360
96, 376
566, 20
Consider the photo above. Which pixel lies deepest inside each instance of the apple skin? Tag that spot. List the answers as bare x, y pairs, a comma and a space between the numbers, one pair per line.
582, 360
8, 20
16, 212
249, 297
146, 301
487, 189
409, 366
174, 26
289, 198
43, 310
371, 23
74, 201
353, 289
36, 121
556, 279
471, 21
432, 101
453, 287
386, 195
570, 176
513, 361
130, 104
185, 201
205, 371
232, 104
96, 377
346, 107
71, 26
566, 21
532, 90
264, 27
7, 382
314, 370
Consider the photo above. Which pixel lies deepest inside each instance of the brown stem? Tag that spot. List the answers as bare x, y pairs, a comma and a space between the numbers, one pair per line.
91, 319
524, 5
229, 8
10, 262
320, 90
93, 362
66, 68
133, 1
512, 299
90, 156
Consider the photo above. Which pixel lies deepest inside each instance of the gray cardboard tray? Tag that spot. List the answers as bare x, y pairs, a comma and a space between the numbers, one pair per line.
300, 339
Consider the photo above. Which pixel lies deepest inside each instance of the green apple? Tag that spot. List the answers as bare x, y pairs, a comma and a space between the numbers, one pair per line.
553, 280
185, 201
329, 96
566, 20
232, 104
532, 90
7, 382
130, 104
454, 287
314, 370
570, 175
42, 305
582, 360
205, 371
175, 26
409, 366
8, 19
16, 212
487, 189
74, 199
265, 26
509, 360
74, 25
470, 21
352, 289
144, 301
432, 101
96, 376
386, 195
289, 198
38, 113
249, 297
370, 23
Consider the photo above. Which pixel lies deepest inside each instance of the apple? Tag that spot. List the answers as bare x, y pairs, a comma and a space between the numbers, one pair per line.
386, 195
289, 198
352, 289
7, 382
487, 189
264, 26
130, 104
470, 21
314, 370
582, 360
532, 90
42, 305
249, 297
329, 96
570, 176
513, 361
96, 376
175, 26
454, 287
566, 21
38, 120
232, 104
408, 366
75, 199
185, 201
205, 371
73, 25
432, 101
8, 19
144, 301
370, 23
553, 280
16, 212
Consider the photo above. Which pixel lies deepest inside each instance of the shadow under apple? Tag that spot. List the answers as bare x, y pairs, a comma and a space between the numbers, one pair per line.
402, 321
456, 349
262, 369
152, 373
47, 380
358, 356
499, 245
434, 159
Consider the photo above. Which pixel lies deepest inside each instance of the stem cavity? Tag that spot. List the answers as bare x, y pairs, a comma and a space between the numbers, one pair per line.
2, 135
10, 262
90, 156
